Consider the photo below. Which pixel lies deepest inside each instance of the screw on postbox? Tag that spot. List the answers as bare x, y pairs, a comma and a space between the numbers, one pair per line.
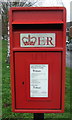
37, 59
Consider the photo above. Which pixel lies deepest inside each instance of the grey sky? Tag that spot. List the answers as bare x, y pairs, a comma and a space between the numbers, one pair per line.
71, 11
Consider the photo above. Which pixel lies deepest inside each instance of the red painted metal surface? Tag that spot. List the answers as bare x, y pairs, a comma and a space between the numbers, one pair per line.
37, 20
23, 60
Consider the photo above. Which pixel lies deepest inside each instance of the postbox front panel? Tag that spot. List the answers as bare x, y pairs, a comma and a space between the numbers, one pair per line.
37, 80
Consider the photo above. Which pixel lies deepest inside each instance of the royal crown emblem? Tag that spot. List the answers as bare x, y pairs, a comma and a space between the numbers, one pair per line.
29, 40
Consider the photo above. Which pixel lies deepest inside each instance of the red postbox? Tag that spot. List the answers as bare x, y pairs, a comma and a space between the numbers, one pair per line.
37, 59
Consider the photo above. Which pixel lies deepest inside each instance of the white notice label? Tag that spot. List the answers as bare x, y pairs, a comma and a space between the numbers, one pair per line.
37, 40
38, 80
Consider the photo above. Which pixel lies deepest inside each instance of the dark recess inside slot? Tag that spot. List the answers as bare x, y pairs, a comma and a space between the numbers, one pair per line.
37, 26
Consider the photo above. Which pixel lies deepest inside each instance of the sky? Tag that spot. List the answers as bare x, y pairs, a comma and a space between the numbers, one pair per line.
71, 11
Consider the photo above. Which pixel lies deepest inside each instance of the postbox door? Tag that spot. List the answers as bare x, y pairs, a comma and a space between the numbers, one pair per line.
46, 93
